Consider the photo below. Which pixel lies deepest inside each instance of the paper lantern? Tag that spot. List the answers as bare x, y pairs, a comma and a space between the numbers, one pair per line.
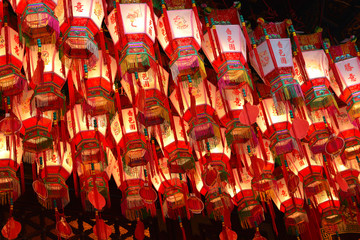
249, 209
96, 85
275, 124
292, 205
311, 68
344, 129
10, 160
37, 18
11, 57
130, 137
36, 129
346, 70
150, 94
272, 60
235, 115
175, 145
47, 84
54, 169
132, 30
87, 134
173, 188
225, 47
194, 102
79, 23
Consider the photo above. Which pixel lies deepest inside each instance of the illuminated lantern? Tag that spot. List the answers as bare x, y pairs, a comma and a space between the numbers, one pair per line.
175, 146
195, 102
89, 156
129, 136
96, 85
345, 67
11, 57
225, 47
132, 30
249, 209
311, 68
37, 18
172, 189
79, 23
275, 124
47, 87
291, 203
229, 112
148, 88
344, 129
10, 160
179, 34
54, 176
130, 180
272, 60
319, 130
36, 129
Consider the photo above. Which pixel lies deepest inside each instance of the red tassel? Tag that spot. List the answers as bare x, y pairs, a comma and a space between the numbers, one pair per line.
74, 172
161, 207
22, 177
272, 213
182, 228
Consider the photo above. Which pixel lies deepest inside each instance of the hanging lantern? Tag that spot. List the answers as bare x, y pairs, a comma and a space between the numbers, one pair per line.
130, 137
10, 160
47, 87
311, 68
224, 45
249, 209
150, 94
173, 188
180, 37
272, 60
350, 134
133, 33
292, 205
345, 68
130, 180
96, 85
236, 112
35, 129
11, 56
89, 156
176, 147
58, 169
80, 21
275, 124
193, 101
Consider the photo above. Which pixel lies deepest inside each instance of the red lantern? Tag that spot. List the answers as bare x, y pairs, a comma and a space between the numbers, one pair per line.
47, 87
80, 21
37, 17
11, 57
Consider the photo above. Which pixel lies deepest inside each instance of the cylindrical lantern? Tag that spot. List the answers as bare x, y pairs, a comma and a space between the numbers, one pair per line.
275, 123
47, 87
346, 71
311, 68
11, 58
37, 18
175, 146
80, 21
225, 47
89, 146
150, 94
10, 160
272, 60
58, 168
134, 37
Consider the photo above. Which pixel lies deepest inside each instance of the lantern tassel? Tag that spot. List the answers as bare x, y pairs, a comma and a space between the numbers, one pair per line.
182, 228
272, 213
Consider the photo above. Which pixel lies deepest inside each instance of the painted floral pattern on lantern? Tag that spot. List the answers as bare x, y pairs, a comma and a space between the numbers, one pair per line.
133, 16
98, 10
2, 42
180, 22
264, 58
